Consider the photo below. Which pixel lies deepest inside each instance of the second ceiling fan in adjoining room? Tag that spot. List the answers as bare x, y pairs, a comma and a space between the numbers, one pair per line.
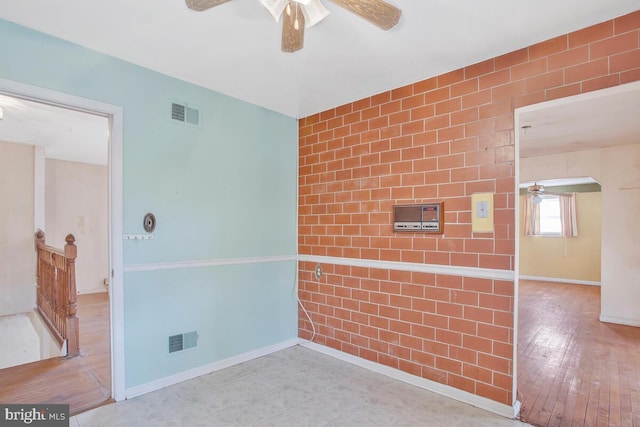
536, 192
298, 14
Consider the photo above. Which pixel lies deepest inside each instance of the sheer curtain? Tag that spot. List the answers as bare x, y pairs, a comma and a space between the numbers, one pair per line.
568, 217
531, 217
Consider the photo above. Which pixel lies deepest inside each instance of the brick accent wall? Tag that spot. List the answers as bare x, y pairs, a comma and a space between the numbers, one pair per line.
441, 139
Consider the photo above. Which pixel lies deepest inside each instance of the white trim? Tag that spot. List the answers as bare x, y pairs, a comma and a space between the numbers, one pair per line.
116, 283
39, 188
567, 100
205, 263
516, 116
115, 114
441, 389
93, 291
483, 273
517, 405
207, 369
560, 280
516, 266
619, 320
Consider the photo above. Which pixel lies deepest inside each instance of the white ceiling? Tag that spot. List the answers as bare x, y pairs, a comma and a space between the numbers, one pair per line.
64, 134
235, 48
584, 122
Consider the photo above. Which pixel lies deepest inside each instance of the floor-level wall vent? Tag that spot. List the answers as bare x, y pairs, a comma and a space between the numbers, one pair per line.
183, 341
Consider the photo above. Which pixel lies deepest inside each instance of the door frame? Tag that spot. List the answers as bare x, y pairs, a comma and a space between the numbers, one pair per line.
114, 114
623, 87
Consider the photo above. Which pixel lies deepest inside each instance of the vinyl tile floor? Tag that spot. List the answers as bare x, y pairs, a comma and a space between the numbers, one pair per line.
292, 387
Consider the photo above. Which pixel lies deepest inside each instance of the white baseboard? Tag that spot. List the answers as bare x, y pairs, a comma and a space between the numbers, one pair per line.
516, 409
619, 320
560, 280
442, 389
206, 369
93, 291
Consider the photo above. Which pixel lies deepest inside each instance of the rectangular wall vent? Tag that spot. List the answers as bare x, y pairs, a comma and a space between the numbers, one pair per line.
176, 343
193, 116
183, 341
184, 114
178, 112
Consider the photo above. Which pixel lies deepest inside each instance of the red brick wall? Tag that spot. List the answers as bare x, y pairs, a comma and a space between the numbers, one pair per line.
440, 139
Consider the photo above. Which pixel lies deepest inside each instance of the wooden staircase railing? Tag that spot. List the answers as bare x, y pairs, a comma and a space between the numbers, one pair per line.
56, 294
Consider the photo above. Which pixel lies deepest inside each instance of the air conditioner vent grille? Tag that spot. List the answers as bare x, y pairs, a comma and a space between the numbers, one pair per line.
183, 341
177, 112
176, 343
184, 114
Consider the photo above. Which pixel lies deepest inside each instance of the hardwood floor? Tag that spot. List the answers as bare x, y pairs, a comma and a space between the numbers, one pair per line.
84, 382
574, 370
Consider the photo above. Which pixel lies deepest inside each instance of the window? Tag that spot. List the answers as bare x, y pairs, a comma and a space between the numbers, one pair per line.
550, 222
550, 215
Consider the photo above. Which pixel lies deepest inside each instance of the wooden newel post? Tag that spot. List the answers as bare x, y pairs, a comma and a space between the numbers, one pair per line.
39, 237
71, 308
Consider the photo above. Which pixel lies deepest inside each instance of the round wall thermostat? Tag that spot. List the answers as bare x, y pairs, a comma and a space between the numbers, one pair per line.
149, 223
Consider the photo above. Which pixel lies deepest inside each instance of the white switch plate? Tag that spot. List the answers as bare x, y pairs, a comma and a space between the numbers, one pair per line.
482, 213
483, 209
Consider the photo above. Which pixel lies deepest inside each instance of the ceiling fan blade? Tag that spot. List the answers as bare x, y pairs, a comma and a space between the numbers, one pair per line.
540, 191
535, 188
378, 12
201, 5
292, 27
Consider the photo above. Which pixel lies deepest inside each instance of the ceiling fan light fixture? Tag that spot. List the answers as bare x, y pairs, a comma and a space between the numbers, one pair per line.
275, 7
314, 12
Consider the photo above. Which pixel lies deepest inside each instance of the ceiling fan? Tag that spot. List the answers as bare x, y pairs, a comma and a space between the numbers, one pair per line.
299, 14
536, 192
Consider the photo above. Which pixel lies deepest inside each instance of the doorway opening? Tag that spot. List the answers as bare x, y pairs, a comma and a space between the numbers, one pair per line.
576, 328
76, 172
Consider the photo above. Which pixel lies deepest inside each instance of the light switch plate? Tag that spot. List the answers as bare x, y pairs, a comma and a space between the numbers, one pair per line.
483, 209
482, 212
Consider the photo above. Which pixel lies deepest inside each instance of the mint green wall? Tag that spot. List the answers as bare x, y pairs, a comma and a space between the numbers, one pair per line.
239, 308
225, 189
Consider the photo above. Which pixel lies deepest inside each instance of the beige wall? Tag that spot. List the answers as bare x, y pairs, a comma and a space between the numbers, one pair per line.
76, 202
574, 259
618, 171
17, 252
621, 235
